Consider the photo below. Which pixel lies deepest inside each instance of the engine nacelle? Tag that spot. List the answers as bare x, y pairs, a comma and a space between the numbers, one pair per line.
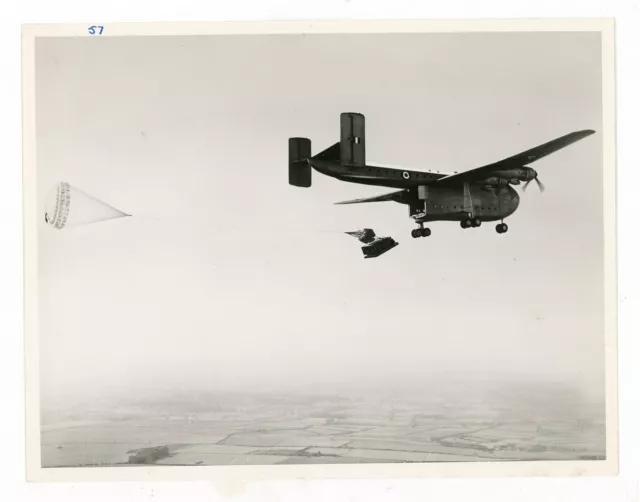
495, 181
517, 173
514, 182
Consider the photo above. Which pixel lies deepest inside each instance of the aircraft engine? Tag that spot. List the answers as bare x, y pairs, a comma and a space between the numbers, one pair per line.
518, 173
514, 181
494, 180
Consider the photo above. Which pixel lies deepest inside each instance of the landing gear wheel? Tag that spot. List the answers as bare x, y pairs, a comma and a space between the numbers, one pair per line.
501, 228
465, 223
415, 233
425, 232
475, 223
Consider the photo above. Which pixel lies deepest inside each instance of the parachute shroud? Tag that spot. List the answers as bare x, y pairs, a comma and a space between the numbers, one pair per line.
67, 206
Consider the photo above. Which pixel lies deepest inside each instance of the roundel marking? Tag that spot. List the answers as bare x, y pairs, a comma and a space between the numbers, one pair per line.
405, 175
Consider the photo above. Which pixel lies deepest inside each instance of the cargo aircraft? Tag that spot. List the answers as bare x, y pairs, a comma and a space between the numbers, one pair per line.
479, 195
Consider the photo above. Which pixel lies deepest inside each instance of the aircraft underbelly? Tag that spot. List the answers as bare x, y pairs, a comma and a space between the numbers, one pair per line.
450, 204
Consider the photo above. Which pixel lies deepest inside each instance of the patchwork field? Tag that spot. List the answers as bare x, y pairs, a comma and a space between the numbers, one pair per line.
301, 432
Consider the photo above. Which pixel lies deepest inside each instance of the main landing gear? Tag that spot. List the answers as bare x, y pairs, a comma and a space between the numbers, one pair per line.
502, 228
421, 232
471, 223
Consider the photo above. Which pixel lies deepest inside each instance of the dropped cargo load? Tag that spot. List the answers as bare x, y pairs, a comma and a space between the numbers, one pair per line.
67, 206
373, 246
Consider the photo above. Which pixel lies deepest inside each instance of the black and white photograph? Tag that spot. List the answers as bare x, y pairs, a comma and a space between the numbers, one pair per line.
320, 250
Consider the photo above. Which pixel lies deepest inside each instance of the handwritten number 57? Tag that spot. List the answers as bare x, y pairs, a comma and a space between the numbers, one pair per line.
93, 30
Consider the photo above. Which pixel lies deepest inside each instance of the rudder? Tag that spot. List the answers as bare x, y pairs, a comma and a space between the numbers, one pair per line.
299, 167
352, 139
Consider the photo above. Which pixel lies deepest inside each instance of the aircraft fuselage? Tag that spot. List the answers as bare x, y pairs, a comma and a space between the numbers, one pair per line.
375, 175
451, 204
436, 202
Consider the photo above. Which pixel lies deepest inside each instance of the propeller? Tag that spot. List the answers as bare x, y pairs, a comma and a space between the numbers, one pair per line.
538, 182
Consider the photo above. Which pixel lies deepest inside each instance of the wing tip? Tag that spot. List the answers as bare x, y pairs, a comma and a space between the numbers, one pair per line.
583, 133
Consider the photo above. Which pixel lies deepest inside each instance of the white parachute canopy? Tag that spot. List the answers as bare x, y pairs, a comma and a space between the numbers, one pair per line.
67, 206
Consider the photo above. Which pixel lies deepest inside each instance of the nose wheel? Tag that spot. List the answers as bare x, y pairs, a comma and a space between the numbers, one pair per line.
420, 232
502, 228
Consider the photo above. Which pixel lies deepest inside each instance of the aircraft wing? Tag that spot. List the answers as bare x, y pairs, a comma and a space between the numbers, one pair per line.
395, 196
519, 160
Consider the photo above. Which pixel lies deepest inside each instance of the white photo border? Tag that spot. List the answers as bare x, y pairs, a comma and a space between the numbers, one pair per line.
35, 472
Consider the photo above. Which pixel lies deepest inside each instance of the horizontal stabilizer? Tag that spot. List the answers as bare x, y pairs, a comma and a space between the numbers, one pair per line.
393, 196
332, 153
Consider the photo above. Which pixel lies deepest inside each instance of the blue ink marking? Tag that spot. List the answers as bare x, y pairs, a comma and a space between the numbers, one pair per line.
96, 30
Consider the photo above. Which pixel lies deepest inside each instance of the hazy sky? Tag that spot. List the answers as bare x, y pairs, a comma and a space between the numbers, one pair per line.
228, 277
